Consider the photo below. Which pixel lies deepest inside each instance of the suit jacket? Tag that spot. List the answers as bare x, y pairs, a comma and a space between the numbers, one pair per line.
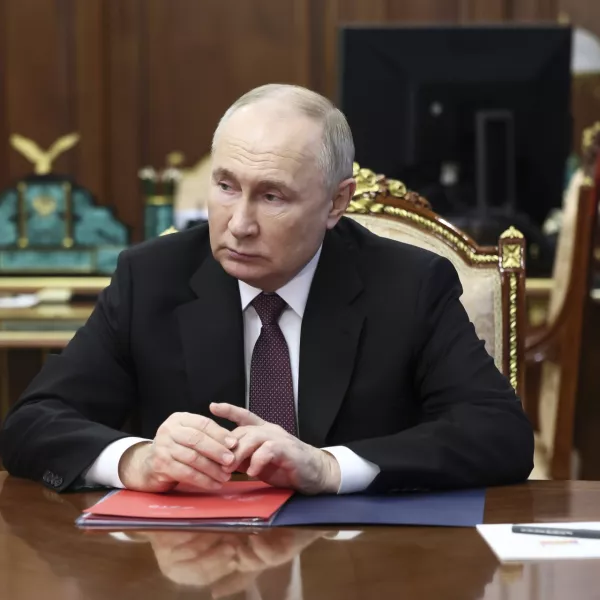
390, 366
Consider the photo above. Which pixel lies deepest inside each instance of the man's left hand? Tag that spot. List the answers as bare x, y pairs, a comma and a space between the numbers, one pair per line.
268, 452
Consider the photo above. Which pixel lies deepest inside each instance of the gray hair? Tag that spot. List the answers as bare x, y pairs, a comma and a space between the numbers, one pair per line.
337, 146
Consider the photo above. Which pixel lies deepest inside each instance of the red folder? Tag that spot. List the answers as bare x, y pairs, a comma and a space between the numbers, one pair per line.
237, 503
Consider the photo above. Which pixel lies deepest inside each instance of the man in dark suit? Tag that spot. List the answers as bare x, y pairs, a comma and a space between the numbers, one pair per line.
281, 340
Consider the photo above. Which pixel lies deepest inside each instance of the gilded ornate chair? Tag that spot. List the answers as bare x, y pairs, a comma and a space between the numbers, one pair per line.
493, 278
553, 353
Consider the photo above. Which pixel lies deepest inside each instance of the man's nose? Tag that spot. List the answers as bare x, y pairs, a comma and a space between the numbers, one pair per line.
243, 221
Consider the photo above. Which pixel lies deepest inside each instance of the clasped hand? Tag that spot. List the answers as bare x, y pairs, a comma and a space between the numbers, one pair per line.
194, 450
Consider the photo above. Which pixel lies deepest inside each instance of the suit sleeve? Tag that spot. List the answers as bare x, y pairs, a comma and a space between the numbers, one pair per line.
472, 430
76, 405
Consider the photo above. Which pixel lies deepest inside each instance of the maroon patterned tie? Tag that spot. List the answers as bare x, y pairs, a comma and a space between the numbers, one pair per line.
271, 388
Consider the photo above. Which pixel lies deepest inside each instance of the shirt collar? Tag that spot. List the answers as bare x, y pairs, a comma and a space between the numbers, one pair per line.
294, 292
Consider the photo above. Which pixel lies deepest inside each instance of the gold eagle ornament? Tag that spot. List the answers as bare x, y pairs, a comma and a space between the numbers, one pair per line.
42, 159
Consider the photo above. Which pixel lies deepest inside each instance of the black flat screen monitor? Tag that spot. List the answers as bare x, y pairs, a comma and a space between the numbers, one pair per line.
476, 119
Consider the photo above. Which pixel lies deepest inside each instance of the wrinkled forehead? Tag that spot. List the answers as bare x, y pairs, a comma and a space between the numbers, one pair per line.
268, 135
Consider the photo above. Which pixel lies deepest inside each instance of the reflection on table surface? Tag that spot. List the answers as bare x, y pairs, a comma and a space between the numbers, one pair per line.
42, 554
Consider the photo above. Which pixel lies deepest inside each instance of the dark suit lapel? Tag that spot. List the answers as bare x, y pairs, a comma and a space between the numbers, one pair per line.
212, 334
331, 329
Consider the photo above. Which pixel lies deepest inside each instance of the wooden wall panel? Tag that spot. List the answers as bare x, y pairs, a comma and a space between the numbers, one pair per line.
359, 10
137, 79
37, 70
51, 84
425, 11
89, 96
534, 10
583, 13
140, 78
125, 136
492, 11
586, 87
192, 77
4, 130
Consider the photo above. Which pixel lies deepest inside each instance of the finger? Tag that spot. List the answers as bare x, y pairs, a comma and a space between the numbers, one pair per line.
263, 457
209, 427
185, 474
193, 459
245, 449
237, 414
201, 443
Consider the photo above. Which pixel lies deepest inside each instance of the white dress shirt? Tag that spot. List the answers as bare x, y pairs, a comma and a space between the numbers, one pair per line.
356, 472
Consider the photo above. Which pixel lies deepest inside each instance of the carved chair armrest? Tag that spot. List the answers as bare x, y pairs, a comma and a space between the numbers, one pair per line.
541, 344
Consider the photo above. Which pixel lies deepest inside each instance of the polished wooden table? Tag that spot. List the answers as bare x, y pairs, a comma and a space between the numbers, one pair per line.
43, 555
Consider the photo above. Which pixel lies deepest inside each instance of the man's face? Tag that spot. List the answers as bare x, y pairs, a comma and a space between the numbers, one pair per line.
268, 204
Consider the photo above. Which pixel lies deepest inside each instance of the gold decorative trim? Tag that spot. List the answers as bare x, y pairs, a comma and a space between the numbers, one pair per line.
512, 334
169, 231
511, 232
396, 188
35, 339
589, 134
68, 239
26, 284
511, 256
22, 241
370, 186
42, 159
159, 201
587, 181
442, 232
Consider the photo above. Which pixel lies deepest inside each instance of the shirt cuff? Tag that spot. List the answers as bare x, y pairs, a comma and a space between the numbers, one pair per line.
105, 469
357, 473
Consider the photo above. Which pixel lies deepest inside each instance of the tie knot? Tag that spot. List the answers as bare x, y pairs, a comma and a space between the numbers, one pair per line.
268, 307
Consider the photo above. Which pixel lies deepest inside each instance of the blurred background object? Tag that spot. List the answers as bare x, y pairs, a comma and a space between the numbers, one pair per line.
158, 189
477, 119
191, 197
50, 224
116, 72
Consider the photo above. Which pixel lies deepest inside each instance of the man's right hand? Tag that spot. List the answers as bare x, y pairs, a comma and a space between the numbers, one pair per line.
188, 448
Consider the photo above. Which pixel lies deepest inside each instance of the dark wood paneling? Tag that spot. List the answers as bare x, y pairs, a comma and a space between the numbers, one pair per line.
4, 132
124, 133
36, 76
140, 78
534, 10
89, 91
425, 11
336, 13
192, 77
483, 11
586, 87
583, 13
356, 11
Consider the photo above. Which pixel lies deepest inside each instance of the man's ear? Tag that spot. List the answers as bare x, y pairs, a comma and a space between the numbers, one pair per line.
341, 199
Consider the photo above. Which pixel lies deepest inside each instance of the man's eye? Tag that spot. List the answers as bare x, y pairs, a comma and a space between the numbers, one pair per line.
224, 186
271, 198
